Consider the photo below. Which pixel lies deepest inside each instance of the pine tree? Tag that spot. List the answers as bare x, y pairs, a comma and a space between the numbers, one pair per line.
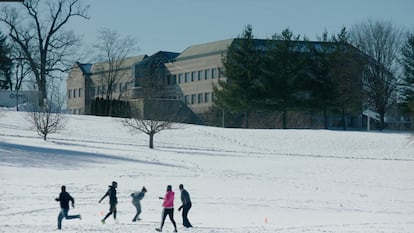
408, 79
282, 65
347, 65
320, 82
5, 64
239, 93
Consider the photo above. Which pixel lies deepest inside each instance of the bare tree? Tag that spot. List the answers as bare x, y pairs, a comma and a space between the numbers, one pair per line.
39, 33
47, 119
381, 41
149, 126
112, 50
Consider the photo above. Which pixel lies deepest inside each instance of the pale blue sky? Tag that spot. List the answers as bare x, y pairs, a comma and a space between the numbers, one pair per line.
173, 25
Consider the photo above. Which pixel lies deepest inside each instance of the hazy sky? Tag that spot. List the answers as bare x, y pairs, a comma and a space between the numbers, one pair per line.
173, 25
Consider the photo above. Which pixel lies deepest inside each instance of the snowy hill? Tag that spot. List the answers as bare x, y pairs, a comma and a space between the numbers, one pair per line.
239, 180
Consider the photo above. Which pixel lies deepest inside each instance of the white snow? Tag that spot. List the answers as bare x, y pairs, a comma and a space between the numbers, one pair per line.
239, 180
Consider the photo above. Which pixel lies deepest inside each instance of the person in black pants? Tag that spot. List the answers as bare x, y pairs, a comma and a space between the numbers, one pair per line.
186, 206
64, 198
168, 210
113, 200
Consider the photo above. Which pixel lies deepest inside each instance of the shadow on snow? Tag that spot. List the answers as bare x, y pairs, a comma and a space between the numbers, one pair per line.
31, 156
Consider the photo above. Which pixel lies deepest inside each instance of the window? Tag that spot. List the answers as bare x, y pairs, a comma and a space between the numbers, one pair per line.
206, 74
193, 76
206, 97
69, 93
120, 87
80, 92
200, 75
214, 73
180, 78
186, 99
74, 93
193, 98
186, 77
200, 98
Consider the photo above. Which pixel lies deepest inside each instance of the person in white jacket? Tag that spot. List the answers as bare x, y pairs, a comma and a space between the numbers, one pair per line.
136, 201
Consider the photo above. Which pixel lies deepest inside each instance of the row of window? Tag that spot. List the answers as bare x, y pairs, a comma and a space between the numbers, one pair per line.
198, 98
117, 87
73, 93
195, 76
77, 111
78, 92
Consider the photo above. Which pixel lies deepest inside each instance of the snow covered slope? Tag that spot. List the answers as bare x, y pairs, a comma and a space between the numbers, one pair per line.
240, 180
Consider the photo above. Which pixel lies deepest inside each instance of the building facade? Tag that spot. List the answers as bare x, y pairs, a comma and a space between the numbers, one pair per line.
187, 77
195, 71
87, 82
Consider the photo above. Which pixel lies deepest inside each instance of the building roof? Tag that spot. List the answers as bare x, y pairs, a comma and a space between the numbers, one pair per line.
89, 68
162, 56
127, 63
211, 48
85, 67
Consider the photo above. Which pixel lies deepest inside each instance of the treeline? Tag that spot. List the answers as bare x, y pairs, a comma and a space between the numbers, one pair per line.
285, 74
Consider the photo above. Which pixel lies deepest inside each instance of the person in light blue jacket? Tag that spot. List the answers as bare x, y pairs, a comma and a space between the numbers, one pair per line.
136, 201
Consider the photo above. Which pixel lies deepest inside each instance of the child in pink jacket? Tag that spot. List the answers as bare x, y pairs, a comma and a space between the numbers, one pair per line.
168, 205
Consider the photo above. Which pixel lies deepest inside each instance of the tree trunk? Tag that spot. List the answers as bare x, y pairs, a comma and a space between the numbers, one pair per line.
343, 118
246, 119
151, 140
382, 121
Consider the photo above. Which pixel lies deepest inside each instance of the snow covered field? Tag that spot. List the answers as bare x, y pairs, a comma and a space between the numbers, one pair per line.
240, 180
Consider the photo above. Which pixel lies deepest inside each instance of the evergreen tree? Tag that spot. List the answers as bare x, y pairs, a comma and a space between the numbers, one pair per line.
5, 64
320, 82
347, 65
239, 93
282, 65
408, 79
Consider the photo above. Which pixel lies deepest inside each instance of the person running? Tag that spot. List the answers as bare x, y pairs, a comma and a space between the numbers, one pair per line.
136, 201
64, 198
186, 206
168, 205
113, 200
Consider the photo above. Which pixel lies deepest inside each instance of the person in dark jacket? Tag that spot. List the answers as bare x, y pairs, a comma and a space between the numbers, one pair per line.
186, 206
64, 198
113, 200
136, 201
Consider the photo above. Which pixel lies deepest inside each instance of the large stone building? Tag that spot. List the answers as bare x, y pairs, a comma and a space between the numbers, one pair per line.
187, 77
184, 80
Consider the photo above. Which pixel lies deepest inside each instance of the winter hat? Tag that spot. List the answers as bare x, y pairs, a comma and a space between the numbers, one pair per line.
144, 189
169, 188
